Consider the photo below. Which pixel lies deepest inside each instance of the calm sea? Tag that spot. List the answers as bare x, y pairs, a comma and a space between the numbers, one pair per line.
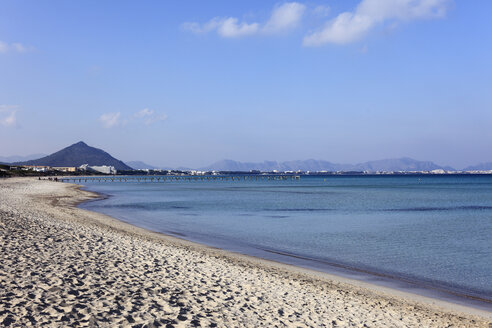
428, 233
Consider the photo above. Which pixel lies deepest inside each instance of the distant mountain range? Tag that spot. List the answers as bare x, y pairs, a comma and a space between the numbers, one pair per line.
80, 153
11, 159
76, 155
397, 164
480, 167
139, 165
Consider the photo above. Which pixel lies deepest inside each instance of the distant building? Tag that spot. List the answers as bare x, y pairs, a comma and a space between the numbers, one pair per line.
101, 168
194, 172
36, 168
65, 168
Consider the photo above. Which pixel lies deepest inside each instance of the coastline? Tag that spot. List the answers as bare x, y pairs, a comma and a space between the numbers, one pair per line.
412, 284
196, 286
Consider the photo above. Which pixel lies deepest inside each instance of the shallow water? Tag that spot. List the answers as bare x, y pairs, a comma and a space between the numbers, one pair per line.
435, 231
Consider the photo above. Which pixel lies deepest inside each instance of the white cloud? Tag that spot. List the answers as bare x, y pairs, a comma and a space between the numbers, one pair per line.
110, 120
230, 28
225, 27
145, 116
283, 18
14, 47
200, 29
8, 116
144, 112
19, 47
352, 26
149, 116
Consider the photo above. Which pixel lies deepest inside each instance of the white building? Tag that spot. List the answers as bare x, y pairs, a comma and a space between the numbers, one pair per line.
99, 168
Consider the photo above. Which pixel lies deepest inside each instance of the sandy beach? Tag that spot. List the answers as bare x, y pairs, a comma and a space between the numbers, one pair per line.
63, 266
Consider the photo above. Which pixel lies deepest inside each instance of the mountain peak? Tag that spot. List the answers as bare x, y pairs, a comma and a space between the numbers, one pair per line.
80, 143
78, 154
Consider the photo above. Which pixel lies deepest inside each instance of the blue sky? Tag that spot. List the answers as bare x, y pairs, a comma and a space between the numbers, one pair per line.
186, 83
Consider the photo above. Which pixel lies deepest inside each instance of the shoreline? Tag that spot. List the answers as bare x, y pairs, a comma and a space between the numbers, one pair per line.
362, 302
405, 284
334, 271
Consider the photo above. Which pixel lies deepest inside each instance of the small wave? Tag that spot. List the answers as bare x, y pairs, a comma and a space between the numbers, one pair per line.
299, 209
146, 206
174, 233
439, 209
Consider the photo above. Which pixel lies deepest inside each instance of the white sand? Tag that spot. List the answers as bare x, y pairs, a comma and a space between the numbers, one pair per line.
62, 266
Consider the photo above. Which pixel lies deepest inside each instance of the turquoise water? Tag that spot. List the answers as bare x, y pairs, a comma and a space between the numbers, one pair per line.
432, 231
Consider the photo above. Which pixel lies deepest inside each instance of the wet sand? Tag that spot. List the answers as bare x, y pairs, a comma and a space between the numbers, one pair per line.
63, 266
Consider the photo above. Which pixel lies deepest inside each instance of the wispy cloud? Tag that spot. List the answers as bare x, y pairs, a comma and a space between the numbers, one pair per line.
3, 47
146, 116
14, 47
8, 115
144, 113
349, 27
156, 118
283, 18
150, 116
231, 28
110, 120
